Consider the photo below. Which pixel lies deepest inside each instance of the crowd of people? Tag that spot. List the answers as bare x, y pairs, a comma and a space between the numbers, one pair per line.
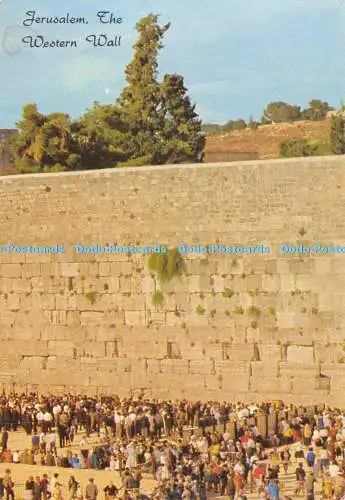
194, 450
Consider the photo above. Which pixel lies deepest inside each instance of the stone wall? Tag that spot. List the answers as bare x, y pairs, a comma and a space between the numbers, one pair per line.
273, 326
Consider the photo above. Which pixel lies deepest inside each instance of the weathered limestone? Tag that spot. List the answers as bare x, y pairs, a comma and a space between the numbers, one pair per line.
233, 326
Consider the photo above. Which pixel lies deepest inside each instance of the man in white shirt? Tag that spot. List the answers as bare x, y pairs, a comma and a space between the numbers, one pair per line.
56, 410
118, 419
47, 421
40, 418
243, 413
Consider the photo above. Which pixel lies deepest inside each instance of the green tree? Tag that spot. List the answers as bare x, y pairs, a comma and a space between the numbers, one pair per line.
317, 110
233, 125
140, 99
161, 125
280, 111
44, 142
181, 138
98, 137
337, 135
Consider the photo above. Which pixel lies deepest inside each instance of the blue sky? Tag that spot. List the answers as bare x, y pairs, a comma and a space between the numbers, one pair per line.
235, 55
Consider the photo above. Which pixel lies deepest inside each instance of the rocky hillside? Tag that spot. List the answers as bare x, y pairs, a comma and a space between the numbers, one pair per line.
263, 142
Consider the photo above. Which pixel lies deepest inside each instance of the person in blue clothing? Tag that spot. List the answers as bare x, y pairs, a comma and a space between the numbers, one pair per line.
273, 490
310, 457
75, 462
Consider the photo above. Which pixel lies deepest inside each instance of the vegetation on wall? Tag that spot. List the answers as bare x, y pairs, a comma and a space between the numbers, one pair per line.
91, 297
200, 310
158, 298
227, 293
166, 266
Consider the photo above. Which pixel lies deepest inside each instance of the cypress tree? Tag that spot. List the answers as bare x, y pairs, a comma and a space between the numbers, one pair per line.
140, 99
160, 121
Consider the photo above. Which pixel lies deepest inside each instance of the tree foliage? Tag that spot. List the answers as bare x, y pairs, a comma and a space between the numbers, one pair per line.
304, 147
277, 112
317, 110
233, 125
98, 136
180, 138
44, 142
162, 125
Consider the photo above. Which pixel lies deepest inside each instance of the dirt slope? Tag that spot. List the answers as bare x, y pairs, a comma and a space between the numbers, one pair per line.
263, 142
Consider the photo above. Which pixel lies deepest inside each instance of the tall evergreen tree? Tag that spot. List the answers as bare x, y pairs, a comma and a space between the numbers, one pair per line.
161, 123
140, 99
182, 137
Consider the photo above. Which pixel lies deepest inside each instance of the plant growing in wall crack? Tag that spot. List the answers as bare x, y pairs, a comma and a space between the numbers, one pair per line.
238, 310
158, 298
302, 231
228, 293
166, 266
213, 313
200, 310
91, 297
254, 311
271, 311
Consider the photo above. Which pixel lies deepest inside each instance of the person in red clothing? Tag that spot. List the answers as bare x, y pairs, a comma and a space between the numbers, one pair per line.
245, 439
258, 475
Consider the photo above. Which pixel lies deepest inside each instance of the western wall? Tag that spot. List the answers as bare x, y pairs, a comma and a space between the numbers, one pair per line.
252, 327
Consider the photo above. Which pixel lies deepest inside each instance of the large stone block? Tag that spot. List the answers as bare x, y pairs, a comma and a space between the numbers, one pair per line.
135, 318
91, 317
61, 348
174, 367
265, 369
300, 354
298, 369
274, 386
11, 270
69, 269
